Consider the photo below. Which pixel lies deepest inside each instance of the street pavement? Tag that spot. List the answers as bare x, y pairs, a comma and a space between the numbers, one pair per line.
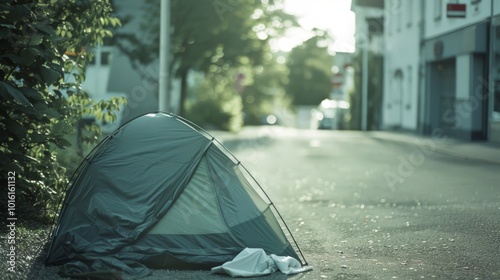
381, 205
375, 205
477, 151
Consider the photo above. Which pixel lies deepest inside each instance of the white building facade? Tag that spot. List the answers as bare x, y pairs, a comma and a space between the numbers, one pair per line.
401, 63
458, 59
112, 73
455, 60
370, 48
369, 25
442, 67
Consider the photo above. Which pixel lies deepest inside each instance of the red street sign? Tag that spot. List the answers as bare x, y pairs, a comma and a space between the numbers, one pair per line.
239, 82
455, 10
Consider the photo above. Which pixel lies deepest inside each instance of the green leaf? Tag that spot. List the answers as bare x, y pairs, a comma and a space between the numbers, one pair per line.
21, 11
31, 93
15, 93
35, 40
8, 164
4, 32
47, 29
9, 26
115, 21
79, 77
69, 65
62, 143
16, 129
49, 75
28, 55
44, 109
28, 110
108, 118
38, 138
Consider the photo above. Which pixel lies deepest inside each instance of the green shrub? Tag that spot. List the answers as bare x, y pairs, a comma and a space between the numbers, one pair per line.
215, 104
43, 47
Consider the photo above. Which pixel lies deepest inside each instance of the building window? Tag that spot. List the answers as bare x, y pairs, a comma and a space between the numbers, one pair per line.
438, 9
105, 58
101, 58
398, 100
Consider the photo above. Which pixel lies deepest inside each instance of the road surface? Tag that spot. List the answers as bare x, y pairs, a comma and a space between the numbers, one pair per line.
363, 208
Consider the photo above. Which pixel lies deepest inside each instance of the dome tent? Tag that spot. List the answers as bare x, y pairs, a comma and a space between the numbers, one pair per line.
160, 192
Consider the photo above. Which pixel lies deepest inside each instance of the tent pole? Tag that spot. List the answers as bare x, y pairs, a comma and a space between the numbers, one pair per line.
275, 209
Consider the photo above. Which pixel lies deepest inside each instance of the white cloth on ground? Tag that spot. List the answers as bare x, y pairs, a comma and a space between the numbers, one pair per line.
254, 262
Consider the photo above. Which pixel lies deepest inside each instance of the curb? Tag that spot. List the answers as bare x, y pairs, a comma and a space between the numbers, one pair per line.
469, 151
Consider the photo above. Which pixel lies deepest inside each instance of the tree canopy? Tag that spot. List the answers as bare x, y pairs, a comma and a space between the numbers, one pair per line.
310, 72
211, 36
43, 48
265, 92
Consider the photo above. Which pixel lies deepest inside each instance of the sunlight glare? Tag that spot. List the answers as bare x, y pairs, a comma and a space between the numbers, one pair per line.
333, 16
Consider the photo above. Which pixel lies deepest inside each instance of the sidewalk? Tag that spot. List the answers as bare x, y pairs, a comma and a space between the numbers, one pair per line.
478, 151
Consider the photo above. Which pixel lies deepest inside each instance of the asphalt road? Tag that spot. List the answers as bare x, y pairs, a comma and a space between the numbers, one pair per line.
365, 208
362, 208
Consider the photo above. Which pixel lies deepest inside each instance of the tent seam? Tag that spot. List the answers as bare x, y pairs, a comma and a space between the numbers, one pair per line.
219, 208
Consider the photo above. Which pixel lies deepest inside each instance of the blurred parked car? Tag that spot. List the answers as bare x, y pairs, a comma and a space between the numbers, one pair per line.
330, 114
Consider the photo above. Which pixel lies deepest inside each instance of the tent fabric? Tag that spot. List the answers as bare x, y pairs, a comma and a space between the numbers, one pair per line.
253, 262
161, 193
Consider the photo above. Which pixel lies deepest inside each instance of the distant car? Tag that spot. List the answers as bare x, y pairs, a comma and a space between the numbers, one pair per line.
330, 114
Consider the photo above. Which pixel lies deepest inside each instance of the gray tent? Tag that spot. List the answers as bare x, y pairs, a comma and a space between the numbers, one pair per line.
160, 192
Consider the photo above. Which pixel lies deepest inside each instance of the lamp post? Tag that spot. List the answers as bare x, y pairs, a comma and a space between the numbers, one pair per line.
364, 88
491, 77
163, 79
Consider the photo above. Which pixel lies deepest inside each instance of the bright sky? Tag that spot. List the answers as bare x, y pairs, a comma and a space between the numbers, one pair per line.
335, 16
